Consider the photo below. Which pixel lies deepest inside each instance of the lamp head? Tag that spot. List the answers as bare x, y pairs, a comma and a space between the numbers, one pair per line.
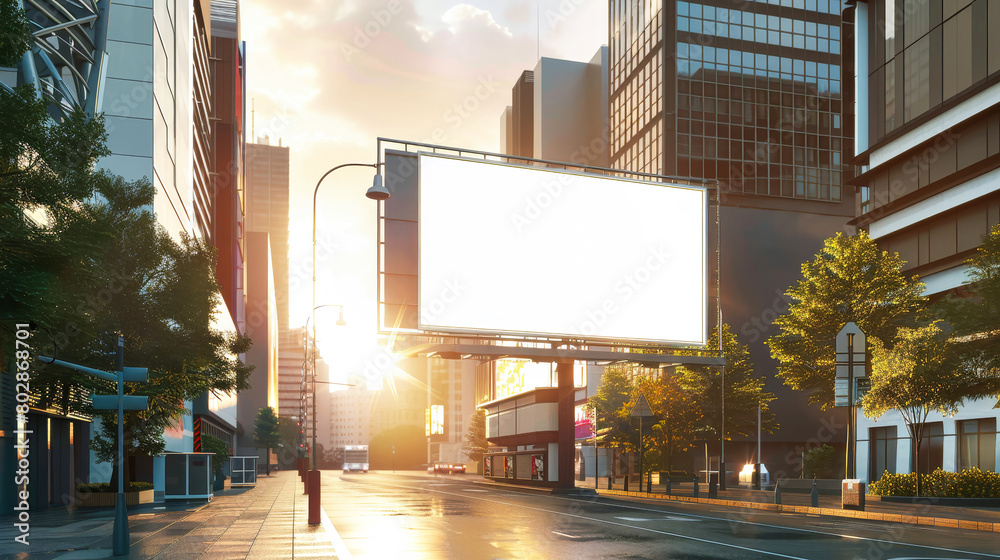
340, 320
377, 191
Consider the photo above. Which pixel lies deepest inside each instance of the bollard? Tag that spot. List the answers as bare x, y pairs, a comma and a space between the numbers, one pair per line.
713, 491
667, 487
313, 480
626, 483
696, 488
777, 491
609, 482
814, 495
649, 483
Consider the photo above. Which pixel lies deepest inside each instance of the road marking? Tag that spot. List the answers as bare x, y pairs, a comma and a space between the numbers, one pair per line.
633, 518
606, 522
787, 528
338, 543
675, 518
472, 490
565, 535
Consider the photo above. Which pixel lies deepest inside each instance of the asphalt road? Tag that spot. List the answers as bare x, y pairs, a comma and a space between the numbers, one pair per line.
396, 517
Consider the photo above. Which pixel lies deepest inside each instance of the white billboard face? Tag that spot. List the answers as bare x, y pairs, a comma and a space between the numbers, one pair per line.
507, 249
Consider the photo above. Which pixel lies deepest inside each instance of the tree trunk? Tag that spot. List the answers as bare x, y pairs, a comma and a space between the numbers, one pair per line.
917, 433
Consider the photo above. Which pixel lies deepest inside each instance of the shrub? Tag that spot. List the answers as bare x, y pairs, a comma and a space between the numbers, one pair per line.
820, 462
970, 483
106, 487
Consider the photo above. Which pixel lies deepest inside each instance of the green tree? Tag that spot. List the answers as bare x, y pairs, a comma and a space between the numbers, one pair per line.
674, 424
15, 35
475, 437
160, 294
46, 170
918, 375
851, 279
212, 444
606, 406
266, 432
744, 390
975, 319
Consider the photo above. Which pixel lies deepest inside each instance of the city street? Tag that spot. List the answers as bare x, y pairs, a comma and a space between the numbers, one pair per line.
411, 516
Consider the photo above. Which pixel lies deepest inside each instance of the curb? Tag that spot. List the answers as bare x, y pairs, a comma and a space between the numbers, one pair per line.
782, 508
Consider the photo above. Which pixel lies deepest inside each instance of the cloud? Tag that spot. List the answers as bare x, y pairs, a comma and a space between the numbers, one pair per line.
464, 16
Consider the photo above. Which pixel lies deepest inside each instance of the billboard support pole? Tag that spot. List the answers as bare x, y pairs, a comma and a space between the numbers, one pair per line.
565, 421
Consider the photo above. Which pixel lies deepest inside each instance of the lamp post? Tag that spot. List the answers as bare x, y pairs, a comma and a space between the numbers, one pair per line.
376, 192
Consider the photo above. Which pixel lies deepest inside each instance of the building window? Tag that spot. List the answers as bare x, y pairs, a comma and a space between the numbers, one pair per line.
977, 444
931, 447
882, 454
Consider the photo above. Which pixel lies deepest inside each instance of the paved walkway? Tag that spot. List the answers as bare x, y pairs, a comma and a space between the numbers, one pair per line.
267, 521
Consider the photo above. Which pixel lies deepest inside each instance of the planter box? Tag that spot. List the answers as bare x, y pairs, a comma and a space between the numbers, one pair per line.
107, 499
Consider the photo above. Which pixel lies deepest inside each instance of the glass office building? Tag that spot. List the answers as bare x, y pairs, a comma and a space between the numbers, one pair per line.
748, 93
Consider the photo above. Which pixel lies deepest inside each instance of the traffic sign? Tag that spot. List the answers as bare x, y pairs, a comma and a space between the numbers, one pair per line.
641, 408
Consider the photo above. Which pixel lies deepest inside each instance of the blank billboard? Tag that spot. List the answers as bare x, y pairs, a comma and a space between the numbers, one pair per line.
507, 249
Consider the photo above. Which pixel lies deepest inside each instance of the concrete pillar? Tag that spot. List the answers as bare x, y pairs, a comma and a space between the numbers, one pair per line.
565, 420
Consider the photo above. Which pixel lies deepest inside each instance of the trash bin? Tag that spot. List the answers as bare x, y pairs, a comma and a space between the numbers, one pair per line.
852, 492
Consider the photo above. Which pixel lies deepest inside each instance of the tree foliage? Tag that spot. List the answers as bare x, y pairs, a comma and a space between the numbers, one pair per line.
917, 375
475, 437
266, 431
212, 444
15, 35
851, 279
265, 428
676, 420
975, 320
744, 390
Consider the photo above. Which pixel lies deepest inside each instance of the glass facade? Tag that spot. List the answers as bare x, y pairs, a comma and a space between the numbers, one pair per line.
924, 53
748, 93
636, 90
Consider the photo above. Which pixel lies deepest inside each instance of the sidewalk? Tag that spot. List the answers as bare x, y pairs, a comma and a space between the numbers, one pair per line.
266, 521
977, 518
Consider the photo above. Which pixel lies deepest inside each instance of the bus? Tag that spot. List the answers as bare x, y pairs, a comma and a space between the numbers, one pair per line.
356, 458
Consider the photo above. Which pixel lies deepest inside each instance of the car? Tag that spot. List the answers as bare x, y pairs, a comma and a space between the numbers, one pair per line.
445, 467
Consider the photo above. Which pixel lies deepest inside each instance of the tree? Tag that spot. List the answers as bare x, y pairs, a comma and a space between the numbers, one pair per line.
675, 422
606, 406
46, 170
212, 444
976, 319
160, 294
15, 35
849, 280
266, 432
744, 390
475, 437
919, 374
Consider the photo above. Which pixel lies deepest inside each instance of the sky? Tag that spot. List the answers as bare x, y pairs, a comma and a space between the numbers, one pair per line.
327, 78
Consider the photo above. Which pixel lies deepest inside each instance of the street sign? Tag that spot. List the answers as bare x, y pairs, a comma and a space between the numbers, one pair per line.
641, 408
129, 402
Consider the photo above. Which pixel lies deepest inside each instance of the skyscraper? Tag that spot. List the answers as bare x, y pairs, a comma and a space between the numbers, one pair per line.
928, 145
147, 67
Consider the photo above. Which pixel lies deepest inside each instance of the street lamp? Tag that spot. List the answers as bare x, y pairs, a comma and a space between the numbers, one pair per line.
376, 192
